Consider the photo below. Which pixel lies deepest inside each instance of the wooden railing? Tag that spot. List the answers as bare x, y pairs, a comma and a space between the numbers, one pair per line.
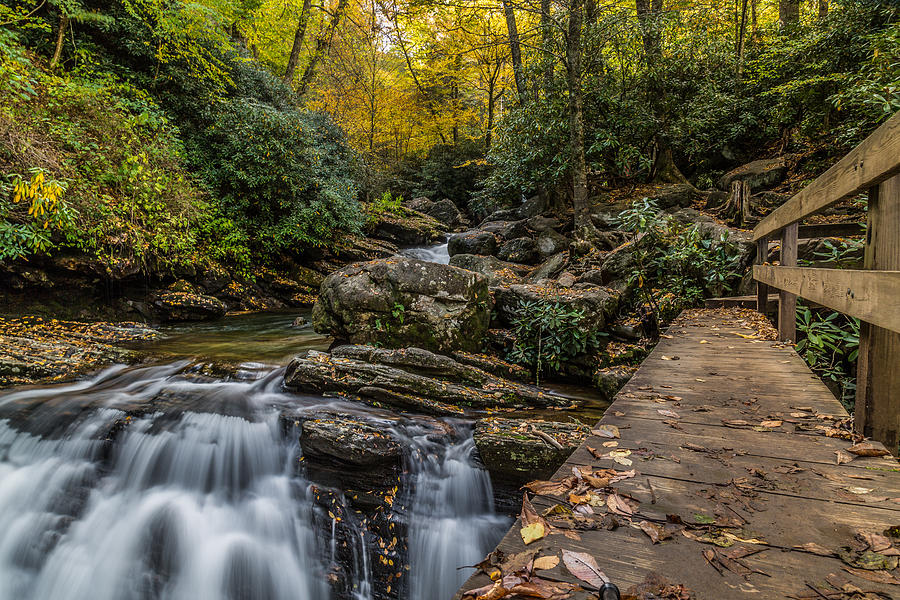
871, 294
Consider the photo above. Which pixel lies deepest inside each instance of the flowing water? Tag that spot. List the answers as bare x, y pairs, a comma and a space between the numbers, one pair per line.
164, 482
437, 253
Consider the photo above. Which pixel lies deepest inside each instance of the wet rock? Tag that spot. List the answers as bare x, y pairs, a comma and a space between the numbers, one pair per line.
409, 379
474, 241
540, 223
521, 250
411, 228
34, 349
597, 304
515, 453
609, 380
550, 243
506, 230
184, 306
493, 365
349, 441
550, 267
758, 174
621, 262
495, 270
403, 301
300, 322
565, 280
446, 212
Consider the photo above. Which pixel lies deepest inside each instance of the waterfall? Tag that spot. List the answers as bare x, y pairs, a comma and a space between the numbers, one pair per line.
436, 254
451, 519
154, 483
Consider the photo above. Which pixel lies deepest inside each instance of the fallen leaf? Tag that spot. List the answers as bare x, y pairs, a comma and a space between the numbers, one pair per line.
654, 531
612, 444
878, 576
668, 413
772, 423
584, 567
815, 548
606, 431
533, 532
868, 449
617, 504
670, 357
546, 562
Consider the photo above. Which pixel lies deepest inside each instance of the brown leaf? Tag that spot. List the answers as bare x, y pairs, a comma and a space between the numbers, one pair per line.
655, 532
551, 488
736, 423
668, 413
815, 548
771, 424
877, 542
606, 431
546, 562
617, 504
584, 567
880, 576
868, 449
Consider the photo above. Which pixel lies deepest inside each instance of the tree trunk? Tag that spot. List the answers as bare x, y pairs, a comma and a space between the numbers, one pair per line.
515, 49
739, 46
648, 13
546, 40
584, 227
60, 38
737, 210
323, 44
298, 42
788, 12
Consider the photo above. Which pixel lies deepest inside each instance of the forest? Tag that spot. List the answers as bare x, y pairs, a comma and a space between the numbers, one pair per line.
310, 299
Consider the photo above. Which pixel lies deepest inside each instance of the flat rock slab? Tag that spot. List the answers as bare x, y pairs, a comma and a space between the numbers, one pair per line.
737, 448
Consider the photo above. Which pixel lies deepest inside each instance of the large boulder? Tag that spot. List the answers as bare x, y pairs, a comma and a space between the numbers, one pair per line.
185, 306
550, 267
410, 379
598, 304
549, 243
409, 228
474, 241
495, 270
520, 250
674, 195
516, 451
759, 174
506, 230
402, 301
446, 212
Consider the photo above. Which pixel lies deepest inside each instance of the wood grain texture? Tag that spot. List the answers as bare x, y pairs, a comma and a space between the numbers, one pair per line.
878, 369
782, 480
872, 296
787, 300
875, 160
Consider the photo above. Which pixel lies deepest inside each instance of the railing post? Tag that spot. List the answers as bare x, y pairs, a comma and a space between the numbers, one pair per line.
787, 302
762, 290
878, 368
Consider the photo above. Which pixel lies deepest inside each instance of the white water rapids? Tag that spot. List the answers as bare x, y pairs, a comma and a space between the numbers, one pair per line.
198, 496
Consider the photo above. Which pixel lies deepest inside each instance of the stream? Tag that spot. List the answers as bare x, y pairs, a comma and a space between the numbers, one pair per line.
179, 479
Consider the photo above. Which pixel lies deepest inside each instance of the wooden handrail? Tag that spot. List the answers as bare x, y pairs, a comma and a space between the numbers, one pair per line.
872, 296
875, 160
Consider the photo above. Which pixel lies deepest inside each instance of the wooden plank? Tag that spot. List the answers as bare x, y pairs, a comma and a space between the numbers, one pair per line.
762, 290
787, 301
782, 484
873, 161
872, 296
827, 230
879, 365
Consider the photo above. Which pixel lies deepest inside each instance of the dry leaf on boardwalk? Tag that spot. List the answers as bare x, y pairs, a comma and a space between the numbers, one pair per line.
584, 567
868, 449
546, 562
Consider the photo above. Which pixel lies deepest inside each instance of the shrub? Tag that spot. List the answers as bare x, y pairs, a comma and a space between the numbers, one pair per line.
285, 176
830, 345
549, 334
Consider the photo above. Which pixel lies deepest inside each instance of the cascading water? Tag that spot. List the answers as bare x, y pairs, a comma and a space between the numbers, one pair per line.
156, 483
436, 254
451, 514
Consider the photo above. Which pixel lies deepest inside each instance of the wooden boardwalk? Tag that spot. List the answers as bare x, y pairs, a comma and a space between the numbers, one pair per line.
692, 418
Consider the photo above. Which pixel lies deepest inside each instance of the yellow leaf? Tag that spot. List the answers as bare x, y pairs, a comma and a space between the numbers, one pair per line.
533, 532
